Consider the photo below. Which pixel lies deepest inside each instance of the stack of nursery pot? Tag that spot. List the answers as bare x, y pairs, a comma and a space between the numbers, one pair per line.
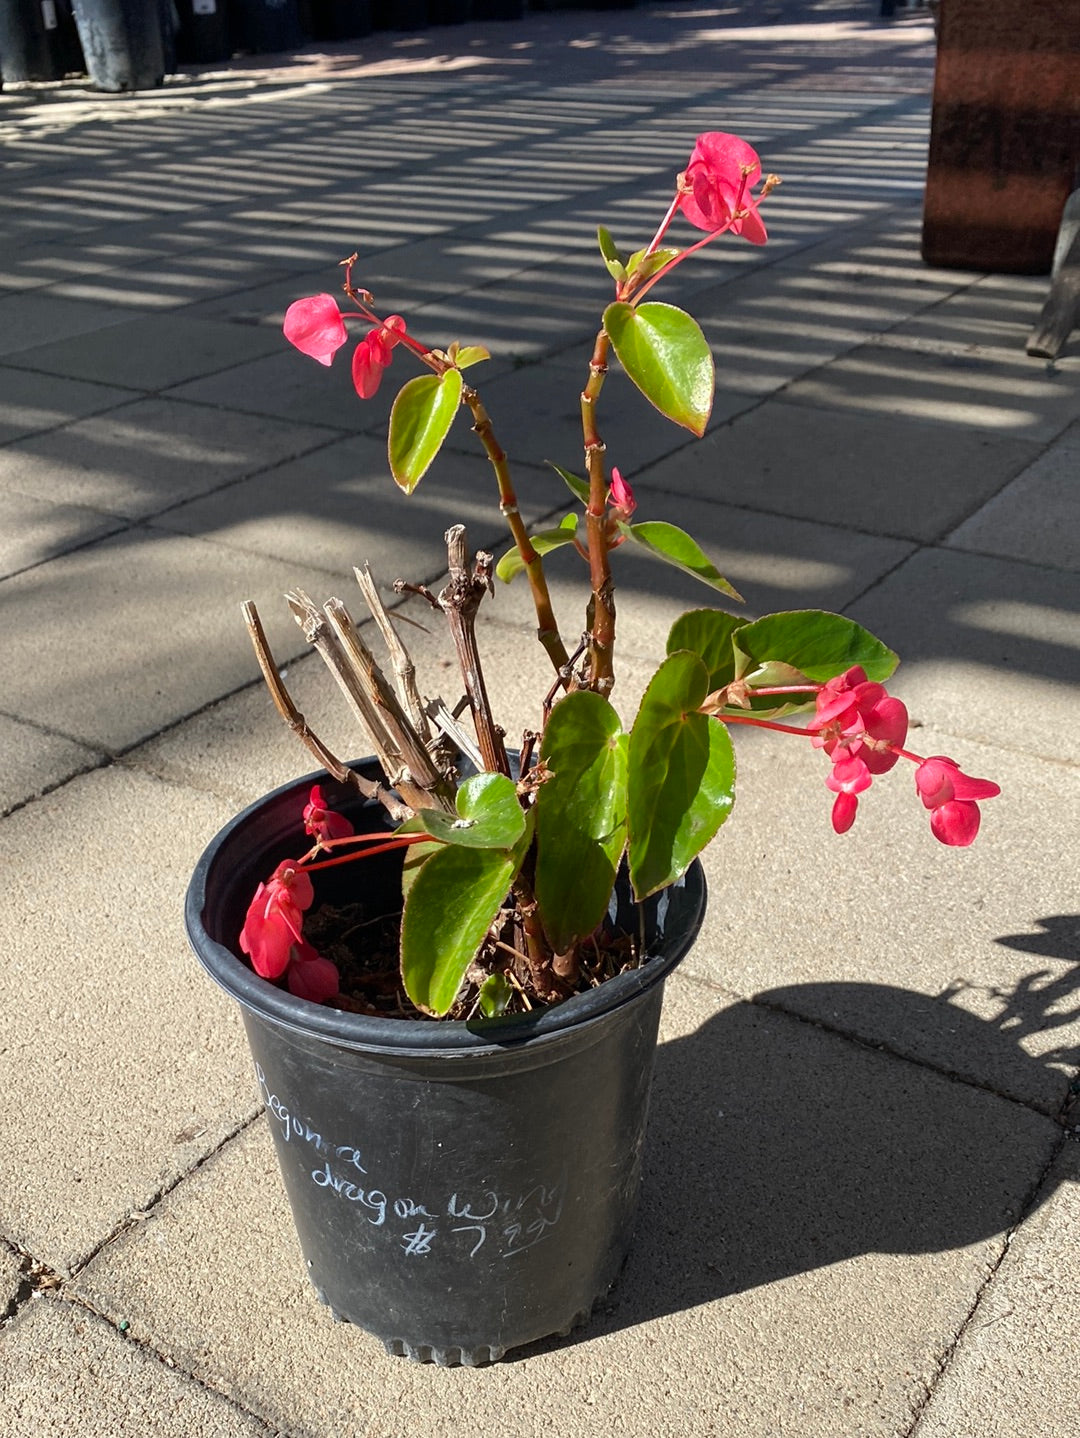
462, 1143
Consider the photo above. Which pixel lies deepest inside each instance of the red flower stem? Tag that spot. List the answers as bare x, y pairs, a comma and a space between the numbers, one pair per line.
654, 243
682, 255
602, 629
763, 724
400, 841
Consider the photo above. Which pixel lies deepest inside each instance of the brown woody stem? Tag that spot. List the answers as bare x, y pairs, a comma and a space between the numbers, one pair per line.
602, 623
547, 631
460, 601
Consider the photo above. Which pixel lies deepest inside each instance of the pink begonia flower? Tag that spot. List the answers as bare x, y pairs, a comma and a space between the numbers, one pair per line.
848, 778
621, 495
323, 823
315, 327
855, 714
373, 354
274, 919
950, 796
716, 185
311, 976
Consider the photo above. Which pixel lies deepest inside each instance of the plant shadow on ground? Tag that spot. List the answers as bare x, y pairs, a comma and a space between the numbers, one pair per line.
777, 1147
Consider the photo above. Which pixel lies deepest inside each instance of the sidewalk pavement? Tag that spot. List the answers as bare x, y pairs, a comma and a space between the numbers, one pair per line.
862, 1171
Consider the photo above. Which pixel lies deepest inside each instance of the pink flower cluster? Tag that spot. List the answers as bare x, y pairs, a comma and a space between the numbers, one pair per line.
272, 935
316, 327
862, 729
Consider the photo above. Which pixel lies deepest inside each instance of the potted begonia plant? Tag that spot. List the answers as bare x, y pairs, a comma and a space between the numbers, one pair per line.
450, 957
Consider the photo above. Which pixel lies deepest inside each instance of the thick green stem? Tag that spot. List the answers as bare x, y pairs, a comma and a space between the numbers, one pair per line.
602, 604
547, 631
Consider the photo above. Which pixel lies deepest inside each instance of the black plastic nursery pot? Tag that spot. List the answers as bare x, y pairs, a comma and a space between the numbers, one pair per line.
459, 1188
124, 42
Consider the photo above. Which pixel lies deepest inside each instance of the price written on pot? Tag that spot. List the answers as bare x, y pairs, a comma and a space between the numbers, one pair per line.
471, 1220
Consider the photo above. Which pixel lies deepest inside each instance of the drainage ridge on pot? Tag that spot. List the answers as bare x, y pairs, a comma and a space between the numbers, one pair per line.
459, 1188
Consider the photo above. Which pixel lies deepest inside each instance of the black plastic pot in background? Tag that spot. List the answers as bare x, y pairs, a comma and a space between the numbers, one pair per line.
203, 35
123, 41
399, 14
449, 12
339, 19
498, 9
38, 40
265, 26
458, 1188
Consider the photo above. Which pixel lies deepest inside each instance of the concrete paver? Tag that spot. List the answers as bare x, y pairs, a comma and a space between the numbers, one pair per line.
36, 760
1014, 1369
999, 394
271, 513
33, 531
100, 1113
69, 1375
148, 456
1036, 517
162, 607
779, 1259
985, 642
856, 1215
878, 472
27, 405
949, 957
150, 352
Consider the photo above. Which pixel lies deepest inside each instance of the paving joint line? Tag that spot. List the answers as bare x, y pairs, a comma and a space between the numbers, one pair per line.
950, 1353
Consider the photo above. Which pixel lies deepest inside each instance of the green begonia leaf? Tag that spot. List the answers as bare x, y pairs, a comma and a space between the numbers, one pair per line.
580, 816
489, 815
640, 265
810, 642
675, 546
681, 779
665, 354
576, 486
708, 634
616, 265
543, 542
495, 993
450, 908
419, 422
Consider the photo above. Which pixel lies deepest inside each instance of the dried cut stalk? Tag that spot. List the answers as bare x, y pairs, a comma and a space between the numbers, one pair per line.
459, 601
416, 763
285, 706
317, 632
400, 658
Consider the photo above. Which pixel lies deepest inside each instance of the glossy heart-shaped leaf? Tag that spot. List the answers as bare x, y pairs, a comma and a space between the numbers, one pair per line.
544, 541
450, 908
681, 778
580, 816
489, 815
708, 633
673, 545
665, 354
811, 642
419, 422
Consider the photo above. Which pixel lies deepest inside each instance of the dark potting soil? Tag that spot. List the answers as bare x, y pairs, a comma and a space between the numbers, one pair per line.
365, 949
